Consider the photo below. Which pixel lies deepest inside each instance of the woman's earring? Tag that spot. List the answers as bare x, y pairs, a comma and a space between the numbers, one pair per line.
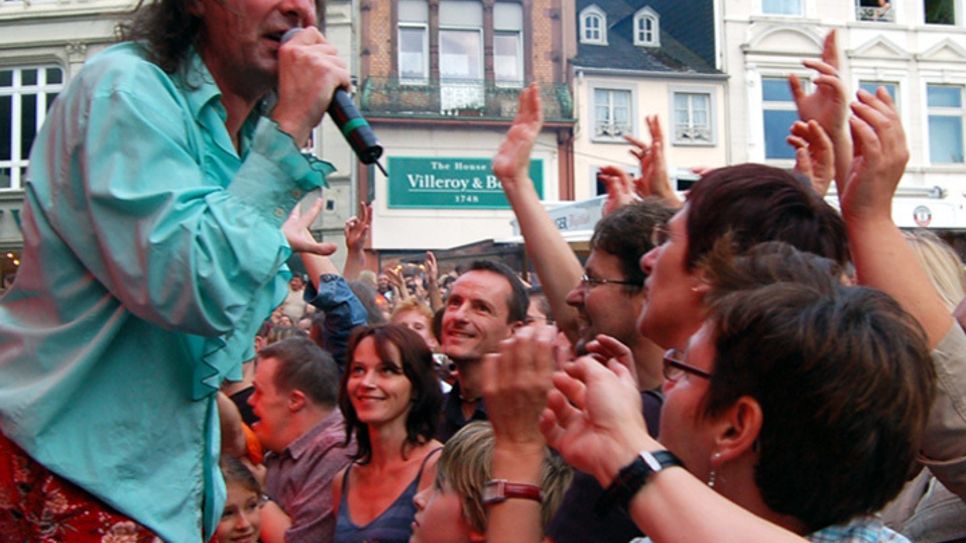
715, 459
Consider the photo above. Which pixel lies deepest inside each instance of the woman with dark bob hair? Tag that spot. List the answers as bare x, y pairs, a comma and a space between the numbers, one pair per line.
391, 400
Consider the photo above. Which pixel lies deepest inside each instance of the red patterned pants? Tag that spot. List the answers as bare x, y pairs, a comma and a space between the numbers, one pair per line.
37, 506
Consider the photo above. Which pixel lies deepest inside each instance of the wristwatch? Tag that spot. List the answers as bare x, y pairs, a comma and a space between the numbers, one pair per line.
500, 490
632, 477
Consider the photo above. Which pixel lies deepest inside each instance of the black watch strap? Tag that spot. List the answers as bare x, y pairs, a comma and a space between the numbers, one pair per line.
632, 477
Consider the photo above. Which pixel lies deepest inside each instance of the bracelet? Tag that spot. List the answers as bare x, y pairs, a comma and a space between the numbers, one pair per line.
632, 477
500, 490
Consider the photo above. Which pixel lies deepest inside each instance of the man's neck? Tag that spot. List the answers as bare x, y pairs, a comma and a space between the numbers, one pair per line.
239, 95
648, 363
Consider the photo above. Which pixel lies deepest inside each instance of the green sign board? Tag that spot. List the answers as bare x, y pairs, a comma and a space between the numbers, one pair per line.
450, 183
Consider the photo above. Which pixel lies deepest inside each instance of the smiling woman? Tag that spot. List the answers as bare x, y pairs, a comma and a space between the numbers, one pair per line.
391, 400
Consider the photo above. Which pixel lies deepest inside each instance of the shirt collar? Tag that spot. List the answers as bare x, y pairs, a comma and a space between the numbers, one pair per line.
298, 447
198, 84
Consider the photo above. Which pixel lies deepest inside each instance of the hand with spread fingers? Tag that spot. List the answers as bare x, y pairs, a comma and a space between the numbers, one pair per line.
880, 158
594, 417
296, 230
620, 190
814, 156
828, 104
653, 180
515, 385
356, 228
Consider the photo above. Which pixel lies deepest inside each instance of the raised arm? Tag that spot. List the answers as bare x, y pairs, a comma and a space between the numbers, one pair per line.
882, 257
828, 105
432, 280
814, 157
556, 264
884, 260
594, 420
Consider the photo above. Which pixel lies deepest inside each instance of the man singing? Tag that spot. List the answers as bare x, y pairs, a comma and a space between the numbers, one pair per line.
152, 252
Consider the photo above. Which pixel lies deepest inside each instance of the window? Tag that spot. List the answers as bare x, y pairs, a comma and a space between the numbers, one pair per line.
413, 41
940, 12
612, 113
891, 87
646, 29
25, 95
945, 105
692, 118
781, 7
593, 26
874, 10
508, 44
779, 113
461, 55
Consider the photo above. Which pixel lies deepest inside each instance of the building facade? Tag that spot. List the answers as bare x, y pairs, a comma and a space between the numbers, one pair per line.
916, 49
439, 83
646, 57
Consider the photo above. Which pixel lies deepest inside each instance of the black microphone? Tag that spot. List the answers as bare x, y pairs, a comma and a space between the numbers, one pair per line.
354, 127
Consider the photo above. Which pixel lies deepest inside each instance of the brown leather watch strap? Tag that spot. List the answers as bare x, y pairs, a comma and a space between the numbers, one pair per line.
500, 490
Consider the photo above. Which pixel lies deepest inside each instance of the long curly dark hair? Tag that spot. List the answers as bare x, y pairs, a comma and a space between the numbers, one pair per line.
167, 27
418, 367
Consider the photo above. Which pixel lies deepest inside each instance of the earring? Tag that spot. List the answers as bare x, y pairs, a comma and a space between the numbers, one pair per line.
715, 459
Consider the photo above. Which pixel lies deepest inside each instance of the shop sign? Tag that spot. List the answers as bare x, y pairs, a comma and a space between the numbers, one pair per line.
450, 183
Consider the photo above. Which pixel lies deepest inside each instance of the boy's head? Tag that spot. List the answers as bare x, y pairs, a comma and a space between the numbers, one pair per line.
452, 509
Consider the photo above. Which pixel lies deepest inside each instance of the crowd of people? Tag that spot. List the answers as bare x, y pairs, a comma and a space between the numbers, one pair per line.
747, 364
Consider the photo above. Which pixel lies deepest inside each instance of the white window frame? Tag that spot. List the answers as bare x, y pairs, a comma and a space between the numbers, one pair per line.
945, 112
631, 114
957, 14
712, 116
777, 106
592, 11
425, 76
801, 10
499, 30
15, 91
640, 34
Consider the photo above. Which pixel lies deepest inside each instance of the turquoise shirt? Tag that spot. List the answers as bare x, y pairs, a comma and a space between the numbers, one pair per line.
152, 253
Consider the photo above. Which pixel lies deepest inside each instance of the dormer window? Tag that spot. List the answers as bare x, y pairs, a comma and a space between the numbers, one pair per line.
593, 26
646, 28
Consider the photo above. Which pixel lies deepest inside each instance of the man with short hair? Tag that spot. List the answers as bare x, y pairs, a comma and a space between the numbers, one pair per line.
296, 390
486, 304
152, 253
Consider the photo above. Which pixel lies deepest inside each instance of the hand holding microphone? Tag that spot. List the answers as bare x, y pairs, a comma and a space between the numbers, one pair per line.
308, 62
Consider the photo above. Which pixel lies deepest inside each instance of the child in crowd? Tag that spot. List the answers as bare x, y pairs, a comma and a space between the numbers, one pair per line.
452, 510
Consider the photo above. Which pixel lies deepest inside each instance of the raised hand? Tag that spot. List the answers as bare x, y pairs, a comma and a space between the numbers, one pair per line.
356, 228
828, 103
653, 180
515, 385
512, 161
620, 191
594, 418
296, 231
814, 157
879, 159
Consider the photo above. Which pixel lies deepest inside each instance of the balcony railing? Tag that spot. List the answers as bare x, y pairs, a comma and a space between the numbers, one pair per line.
390, 97
873, 10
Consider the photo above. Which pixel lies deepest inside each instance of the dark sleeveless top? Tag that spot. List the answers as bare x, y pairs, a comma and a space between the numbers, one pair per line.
394, 525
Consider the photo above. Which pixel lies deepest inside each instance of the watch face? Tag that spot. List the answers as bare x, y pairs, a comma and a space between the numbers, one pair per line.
493, 492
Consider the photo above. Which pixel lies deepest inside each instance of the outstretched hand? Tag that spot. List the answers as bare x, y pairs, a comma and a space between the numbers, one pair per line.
594, 417
879, 158
296, 231
512, 161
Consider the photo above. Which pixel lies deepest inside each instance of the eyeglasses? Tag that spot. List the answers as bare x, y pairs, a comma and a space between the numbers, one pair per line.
660, 235
588, 282
674, 368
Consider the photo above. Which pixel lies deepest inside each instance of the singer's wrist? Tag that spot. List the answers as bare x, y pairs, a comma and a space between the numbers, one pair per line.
294, 130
